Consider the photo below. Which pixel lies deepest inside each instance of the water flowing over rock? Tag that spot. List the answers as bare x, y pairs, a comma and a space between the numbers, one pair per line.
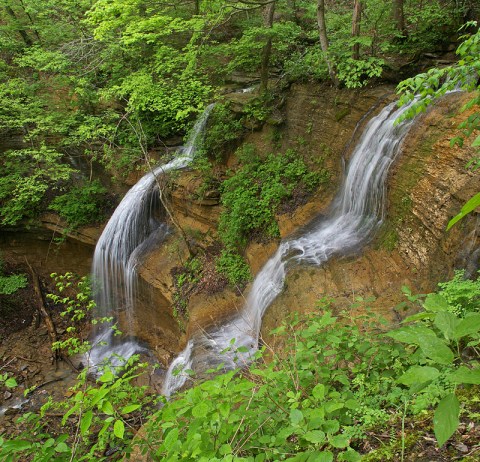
356, 211
137, 224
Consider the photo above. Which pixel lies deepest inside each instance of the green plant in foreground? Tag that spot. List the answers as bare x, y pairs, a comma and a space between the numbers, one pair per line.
336, 380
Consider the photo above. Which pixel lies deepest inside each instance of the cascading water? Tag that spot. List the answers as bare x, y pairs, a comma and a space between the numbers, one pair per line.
136, 225
354, 214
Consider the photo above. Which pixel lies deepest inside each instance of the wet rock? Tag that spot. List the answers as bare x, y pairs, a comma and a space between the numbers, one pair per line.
7, 395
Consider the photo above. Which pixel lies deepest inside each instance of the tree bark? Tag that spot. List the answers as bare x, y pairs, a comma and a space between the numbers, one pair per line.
398, 16
26, 38
357, 17
268, 14
322, 32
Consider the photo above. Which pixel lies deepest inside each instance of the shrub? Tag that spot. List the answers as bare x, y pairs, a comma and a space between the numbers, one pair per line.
82, 205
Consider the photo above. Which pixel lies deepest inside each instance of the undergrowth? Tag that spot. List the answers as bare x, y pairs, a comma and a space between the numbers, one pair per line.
337, 382
251, 197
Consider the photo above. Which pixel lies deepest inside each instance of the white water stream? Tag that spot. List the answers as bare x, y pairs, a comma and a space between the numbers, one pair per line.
137, 224
355, 213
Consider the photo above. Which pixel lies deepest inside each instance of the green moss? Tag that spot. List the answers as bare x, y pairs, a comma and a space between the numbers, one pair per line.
341, 114
388, 238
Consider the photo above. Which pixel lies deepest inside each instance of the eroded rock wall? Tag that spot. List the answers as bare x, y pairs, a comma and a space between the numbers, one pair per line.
427, 186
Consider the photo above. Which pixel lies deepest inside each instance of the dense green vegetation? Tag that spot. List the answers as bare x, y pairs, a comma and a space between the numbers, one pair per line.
336, 380
95, 86
251, 197
105, 81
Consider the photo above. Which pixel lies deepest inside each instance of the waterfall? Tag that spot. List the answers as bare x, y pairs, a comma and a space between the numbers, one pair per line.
355, 213
137, 224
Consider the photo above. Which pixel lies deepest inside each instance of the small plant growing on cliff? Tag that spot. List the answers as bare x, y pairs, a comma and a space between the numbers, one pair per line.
9, 284
82, 205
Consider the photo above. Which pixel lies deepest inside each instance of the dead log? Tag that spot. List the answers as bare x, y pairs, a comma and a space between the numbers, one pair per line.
52, 333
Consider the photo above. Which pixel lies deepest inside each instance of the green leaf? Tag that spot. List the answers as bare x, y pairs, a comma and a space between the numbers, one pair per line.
418, 374
318, 391
107, 376
435, 303
339, 441
296, 416
61, 447
11, 383
171, 439
410, 334
314, 436
119, 429
17, 445
86, 422
331, 426
469, 207
467, 326
200, 410
130, 408
446, 323
445, 419
476, 142
225, 449
434, 348
107, 408
350, 456
465, 375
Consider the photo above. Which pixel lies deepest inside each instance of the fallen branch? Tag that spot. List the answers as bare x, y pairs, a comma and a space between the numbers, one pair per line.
52, 333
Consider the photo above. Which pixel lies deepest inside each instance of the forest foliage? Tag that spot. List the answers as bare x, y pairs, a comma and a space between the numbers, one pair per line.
80, 80
335, 381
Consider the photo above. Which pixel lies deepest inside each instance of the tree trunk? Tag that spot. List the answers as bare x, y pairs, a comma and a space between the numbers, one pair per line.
357, 17
268, 13
398, 16
27, 40
322, 32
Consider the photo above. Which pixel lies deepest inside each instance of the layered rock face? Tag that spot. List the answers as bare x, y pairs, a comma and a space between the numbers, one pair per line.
427, 186
318, 122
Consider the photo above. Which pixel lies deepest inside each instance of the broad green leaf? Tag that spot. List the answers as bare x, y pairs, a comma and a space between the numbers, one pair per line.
467, 326
435, 303
418, 317
339, 441
331, 426
171, 439
17, 445
86, 422
434, 348
119, 429
314, 436
447, 323
130, 408
107, 376
418, 374
107, 408
350, 456
410, 334
476, 142
296, 416
200, 410
318, 391
61, 447
313, 456
465, 375
445, 419
225, 449
469, 207
11, 382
